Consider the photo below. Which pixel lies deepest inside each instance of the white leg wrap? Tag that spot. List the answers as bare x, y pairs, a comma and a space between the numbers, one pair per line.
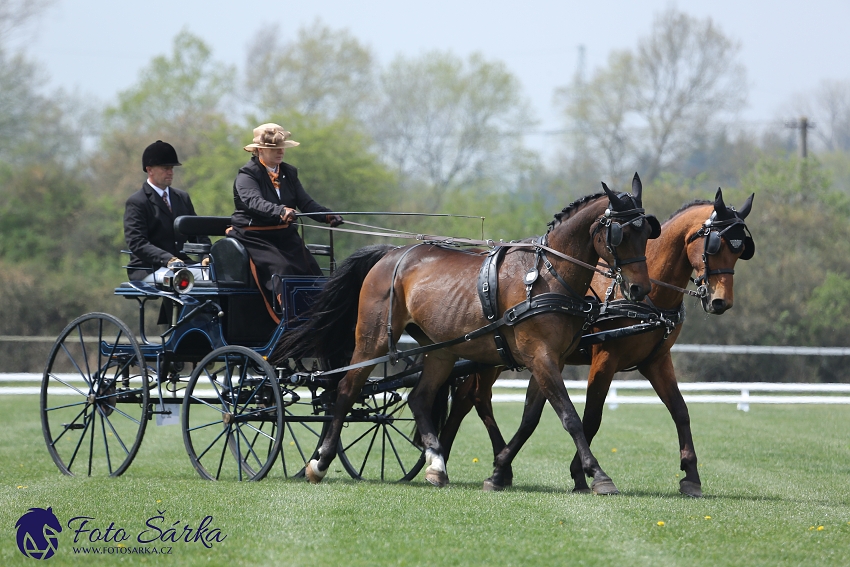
314, 467
434, 461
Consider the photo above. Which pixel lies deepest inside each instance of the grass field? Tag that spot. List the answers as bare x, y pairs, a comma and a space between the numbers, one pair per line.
776, 479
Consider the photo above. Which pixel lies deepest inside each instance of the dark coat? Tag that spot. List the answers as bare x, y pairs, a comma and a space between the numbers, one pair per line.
149, 229
258, 211
256, 200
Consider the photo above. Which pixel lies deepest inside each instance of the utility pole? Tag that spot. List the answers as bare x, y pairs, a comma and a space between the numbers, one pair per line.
803, 125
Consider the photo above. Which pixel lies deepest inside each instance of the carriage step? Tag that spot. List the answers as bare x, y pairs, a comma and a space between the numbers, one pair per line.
74, 425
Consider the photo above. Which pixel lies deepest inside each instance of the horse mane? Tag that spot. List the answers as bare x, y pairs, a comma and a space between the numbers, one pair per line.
694, 203
574, 207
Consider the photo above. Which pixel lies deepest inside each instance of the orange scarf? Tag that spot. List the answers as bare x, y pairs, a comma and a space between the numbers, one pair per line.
273, 175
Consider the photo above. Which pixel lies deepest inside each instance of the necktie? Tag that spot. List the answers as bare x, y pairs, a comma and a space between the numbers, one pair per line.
165, 198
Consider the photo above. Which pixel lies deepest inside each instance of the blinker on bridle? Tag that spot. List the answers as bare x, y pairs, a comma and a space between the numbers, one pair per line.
712, 232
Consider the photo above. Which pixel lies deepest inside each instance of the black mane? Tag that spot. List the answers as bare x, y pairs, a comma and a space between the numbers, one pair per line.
568, 211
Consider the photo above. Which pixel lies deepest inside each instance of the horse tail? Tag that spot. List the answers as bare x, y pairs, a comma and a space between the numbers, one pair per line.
329, 332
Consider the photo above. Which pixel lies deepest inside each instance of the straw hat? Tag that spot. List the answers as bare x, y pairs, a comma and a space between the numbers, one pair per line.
270, 136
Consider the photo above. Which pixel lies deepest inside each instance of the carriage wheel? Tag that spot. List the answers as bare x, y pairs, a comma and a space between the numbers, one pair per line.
304, 419
94, 397
378, 440
231, 415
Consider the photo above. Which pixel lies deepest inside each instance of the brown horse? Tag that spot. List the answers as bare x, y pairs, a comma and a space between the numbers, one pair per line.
704, 237
431, 292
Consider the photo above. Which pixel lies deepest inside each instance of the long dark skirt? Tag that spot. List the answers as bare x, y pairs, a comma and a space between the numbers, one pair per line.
280, 252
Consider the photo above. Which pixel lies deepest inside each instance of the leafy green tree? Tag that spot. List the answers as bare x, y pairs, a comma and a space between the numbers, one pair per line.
450, 122
646, 110
322, 71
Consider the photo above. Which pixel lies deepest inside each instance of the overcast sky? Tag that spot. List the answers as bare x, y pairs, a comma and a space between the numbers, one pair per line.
97, 47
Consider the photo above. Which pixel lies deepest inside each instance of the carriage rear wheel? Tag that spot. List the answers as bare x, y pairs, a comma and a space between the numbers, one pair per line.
378, 439
94, 397
232, 415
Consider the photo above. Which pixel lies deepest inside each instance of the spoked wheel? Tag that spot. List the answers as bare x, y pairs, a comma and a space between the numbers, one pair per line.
378, 440
303, 417
94, 397
232, 418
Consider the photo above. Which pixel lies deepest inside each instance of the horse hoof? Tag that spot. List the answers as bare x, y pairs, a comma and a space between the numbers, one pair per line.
690, 488
437, 478
582, 490
491, 486
312, 472
603, 487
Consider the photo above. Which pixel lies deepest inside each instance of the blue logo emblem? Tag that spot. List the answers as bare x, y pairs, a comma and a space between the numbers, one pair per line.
38, 533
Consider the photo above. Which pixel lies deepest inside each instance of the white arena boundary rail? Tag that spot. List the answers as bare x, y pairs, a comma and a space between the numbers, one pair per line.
742, 394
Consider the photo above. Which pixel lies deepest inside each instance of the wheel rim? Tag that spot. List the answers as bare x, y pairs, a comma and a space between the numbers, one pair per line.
303, 420
94, 397
377, 440
231, 416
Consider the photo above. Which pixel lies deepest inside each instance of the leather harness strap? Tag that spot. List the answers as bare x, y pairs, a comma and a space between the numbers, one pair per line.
488, 293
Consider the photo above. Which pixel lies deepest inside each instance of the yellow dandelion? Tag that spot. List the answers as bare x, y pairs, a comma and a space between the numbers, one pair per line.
708, 517
820, 528
159, 501
121, 545
660, 523
811, 528
292, 443
614, 450
475, 459
20, 486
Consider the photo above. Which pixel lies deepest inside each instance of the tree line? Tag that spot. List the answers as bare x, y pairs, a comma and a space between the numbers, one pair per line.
432, 133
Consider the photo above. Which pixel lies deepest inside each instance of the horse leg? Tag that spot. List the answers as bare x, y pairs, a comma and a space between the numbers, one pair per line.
662, 376
502, 477
484, 407
347, 391
435, 371
477, 392
463, 400
598, 383
548, 376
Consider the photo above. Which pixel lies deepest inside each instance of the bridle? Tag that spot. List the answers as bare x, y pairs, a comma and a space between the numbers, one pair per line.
613, 222
712, 232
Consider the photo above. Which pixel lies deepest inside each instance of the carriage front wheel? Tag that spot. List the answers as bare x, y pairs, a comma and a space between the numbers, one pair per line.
94, 397
232, 415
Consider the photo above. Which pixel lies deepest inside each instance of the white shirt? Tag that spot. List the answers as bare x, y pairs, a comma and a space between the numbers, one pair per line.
163, 193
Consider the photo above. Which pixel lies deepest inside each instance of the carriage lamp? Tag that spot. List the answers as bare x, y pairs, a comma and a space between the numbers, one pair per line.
181, 281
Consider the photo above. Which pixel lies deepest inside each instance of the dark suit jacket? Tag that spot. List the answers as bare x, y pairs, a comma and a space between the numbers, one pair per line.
149, 229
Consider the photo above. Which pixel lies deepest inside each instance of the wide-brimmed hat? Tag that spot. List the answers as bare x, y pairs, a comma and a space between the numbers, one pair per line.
271, 136
159, 153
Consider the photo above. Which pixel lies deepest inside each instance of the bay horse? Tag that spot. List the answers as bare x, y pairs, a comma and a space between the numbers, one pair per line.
431, 292
704, 237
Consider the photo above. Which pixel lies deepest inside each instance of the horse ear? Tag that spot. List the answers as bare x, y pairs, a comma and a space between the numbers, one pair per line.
637, 190
719, 205
612, 197
746, 207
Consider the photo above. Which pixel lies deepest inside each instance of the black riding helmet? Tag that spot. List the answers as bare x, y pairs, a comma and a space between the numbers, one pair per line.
159, 153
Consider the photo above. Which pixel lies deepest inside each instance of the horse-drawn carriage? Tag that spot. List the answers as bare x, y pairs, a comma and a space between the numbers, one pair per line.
209, 372
254, 397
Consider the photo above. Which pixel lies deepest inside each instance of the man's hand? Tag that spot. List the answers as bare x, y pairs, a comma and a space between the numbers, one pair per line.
334, 220
205, 261
174, 263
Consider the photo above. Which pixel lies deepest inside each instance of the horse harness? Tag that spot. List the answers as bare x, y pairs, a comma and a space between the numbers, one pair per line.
649, 316
712, 232
567, 304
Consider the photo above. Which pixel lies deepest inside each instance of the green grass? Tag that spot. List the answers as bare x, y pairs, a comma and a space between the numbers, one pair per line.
771, 478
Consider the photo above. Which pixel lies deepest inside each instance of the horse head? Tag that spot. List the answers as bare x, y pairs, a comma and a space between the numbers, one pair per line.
714, 249
620, 238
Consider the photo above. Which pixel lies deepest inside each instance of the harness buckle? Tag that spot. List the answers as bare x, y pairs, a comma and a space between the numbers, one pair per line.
702, 291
